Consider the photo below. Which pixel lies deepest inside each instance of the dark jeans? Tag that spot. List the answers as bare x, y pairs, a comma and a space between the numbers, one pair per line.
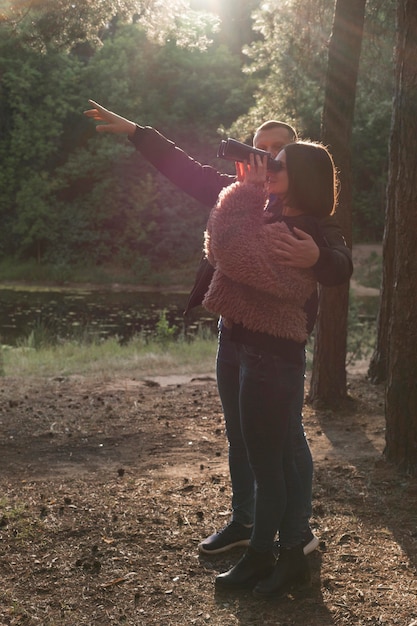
258, 382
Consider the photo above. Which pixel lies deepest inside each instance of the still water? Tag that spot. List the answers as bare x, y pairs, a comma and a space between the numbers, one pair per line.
104, 313
68, 314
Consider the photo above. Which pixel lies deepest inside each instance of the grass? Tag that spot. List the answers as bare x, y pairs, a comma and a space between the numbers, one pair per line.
41, 354
140, 357
164, 353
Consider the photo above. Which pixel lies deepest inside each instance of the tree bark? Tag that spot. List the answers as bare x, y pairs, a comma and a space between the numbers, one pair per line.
377, 371
328, 382
401, 391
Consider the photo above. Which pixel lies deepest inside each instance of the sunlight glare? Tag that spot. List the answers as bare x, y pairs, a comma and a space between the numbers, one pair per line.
213, 6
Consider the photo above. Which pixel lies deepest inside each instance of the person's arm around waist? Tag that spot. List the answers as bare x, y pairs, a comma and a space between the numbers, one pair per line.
331, 264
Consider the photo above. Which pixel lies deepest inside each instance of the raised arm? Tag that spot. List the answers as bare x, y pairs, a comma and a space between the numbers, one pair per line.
112, 123
202, 182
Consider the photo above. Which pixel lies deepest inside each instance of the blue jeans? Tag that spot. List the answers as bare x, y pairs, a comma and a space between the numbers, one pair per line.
298, 465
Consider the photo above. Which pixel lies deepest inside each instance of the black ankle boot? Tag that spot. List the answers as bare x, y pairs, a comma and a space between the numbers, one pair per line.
292, 569
252, 567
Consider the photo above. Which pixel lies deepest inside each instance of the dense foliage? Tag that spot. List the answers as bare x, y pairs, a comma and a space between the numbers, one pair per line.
291, 56
67, 195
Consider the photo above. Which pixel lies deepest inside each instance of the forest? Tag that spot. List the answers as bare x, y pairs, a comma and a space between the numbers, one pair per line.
197, 75
111, 478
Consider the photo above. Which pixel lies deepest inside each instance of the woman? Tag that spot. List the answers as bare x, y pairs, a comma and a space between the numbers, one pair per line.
263, 304
332, 265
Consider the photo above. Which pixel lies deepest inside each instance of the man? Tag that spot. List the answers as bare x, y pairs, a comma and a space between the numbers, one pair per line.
332, 265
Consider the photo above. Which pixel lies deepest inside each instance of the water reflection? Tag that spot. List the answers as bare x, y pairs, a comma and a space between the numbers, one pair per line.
67, 314
105, 313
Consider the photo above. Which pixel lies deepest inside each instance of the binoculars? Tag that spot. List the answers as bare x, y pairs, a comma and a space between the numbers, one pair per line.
233, 150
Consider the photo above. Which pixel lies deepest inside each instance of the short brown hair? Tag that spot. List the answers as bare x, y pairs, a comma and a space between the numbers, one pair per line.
275, 124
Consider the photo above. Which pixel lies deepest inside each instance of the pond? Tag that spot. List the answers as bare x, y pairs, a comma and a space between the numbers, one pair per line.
75, 313
72, 313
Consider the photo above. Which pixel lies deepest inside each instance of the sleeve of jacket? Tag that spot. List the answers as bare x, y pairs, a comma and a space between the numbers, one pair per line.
334, 266
201, 182
241, 244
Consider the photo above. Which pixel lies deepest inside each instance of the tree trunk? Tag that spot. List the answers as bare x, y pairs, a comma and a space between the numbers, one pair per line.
377, 371
401, 392
328, 382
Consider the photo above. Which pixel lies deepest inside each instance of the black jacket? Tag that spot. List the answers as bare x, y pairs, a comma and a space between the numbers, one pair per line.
204, 183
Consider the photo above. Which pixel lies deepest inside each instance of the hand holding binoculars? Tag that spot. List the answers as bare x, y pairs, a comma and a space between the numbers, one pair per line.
233, 150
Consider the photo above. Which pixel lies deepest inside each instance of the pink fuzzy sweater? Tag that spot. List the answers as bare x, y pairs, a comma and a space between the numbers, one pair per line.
249, 286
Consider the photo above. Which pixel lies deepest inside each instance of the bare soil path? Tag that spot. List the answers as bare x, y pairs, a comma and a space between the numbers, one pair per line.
107, 486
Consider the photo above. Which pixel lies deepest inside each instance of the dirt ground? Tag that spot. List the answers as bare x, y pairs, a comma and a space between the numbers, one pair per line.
107, 487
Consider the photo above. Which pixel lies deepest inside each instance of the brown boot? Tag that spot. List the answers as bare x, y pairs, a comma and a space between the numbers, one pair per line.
252, 567
292, 569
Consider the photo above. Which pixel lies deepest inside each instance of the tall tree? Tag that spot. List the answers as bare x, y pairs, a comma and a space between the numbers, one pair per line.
37, 96
289, 54
328, 382
399, 253
56, 177
235, 28
377, 371
371, 127
84, 24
